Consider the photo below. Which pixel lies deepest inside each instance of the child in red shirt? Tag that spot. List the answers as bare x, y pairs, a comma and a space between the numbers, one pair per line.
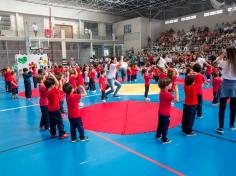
43, 102
147, 77
129, 74
199, 81
73, 76
190, 105
34, 73
8, 78
208, 72
61, 81
92, 76
134, 71
164, 110
14, 85
162, 73
73, 100
55, 118
103, 85
216, 82
156, 73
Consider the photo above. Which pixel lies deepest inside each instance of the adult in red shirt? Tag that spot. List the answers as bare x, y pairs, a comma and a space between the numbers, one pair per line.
53, 93
190, 106
74, 116
164, 110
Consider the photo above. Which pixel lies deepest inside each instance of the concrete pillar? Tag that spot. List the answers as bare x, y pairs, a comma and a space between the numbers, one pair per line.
63, 44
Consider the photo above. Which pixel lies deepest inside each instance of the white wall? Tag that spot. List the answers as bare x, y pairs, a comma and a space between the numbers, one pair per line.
209, 21
142, 28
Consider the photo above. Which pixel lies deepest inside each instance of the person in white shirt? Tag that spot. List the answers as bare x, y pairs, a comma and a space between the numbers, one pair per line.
123, 68
111, 77
162, 62
35, 29
228, 87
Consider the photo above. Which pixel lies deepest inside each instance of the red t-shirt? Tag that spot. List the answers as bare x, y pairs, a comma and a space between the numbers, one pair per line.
53, 99
43, 101
165, 103
34, 71
129, 72
80, 79
156, 72
190, 95
208, 71
92, 75
199, 80
8, 76
72, 81
163, 75
102, 83
216, 84
73, 105
14, 83
147, 79
134, 70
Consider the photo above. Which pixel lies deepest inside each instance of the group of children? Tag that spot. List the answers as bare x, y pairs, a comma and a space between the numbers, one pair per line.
58, 81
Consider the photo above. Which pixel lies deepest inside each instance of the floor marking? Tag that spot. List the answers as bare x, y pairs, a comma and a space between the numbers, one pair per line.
21, 107
85, 162
138, 154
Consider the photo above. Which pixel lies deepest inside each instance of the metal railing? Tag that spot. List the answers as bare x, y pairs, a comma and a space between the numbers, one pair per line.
55, 34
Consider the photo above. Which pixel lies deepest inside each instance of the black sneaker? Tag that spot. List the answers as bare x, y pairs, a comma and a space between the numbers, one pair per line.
158, 137
84, 139
116, 96
220, 130
191, 134
167, 141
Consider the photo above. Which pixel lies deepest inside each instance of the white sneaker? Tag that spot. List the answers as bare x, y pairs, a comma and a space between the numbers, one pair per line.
147, 99
81, 104
104, 101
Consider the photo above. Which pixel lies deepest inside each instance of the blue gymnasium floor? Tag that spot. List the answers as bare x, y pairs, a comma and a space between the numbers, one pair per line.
25, 150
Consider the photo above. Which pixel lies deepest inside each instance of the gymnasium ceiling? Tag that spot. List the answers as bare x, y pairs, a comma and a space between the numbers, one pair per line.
157, 9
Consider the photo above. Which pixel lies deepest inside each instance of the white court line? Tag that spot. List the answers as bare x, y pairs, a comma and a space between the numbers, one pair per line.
21, 107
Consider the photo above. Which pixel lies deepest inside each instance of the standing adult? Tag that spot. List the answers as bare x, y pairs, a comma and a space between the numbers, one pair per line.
123, 68
111, 77
228, 87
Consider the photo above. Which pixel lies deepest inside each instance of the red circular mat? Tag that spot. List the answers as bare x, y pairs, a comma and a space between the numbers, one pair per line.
127, 117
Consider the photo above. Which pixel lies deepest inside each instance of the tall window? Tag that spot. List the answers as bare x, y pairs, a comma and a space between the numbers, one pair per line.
127, 29
5, 22
92, 26
109, 29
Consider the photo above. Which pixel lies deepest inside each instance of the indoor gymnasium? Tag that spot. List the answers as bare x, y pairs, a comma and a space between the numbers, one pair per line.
117, 87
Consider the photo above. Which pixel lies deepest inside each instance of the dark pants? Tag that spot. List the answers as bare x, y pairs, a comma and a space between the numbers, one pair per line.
76, 123
189, 113
44, 122
103, 95
14, 91
129, 78
215, 98
199, 105
8, 85
132, 77
56, 121
223, 102
92, 85
123, 74
61, 106
98, 75
156, 78
146, 91
208, 77
35, 82
28, 90
162, 129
